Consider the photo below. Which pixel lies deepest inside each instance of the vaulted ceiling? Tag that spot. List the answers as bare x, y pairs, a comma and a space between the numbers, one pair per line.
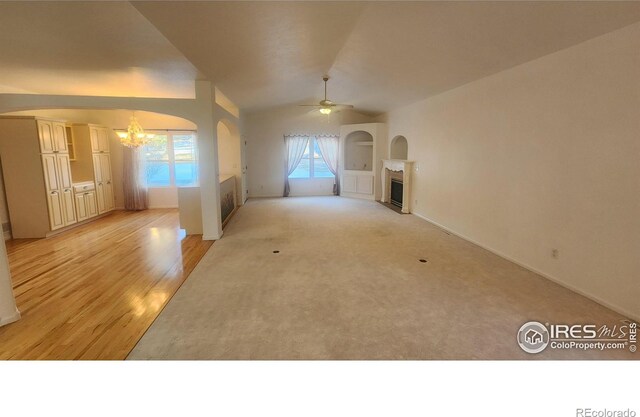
379, 55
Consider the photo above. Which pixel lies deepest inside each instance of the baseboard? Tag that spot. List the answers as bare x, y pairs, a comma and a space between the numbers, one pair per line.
162, 207
266, 196
10, 319
556, 280
209, 237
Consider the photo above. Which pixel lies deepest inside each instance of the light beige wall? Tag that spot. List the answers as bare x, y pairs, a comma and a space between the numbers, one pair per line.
543, 156
265, 154
116, 119
229, 156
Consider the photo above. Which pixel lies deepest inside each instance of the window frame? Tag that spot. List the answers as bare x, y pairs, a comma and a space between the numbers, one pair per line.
311, 148
172, 157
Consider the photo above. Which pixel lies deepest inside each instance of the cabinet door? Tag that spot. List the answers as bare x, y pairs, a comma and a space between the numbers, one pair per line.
103, 140
105, 167
91, 203
64, 170
109, 204
68, 207
45, 135
60, 137
50, 168
81, 207
100, 198
95, 143
54, 203
97, 168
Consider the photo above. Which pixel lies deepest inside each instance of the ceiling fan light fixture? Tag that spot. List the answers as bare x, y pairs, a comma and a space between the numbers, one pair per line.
325, 110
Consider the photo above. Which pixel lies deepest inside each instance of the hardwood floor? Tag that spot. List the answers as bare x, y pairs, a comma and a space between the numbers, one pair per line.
92, 292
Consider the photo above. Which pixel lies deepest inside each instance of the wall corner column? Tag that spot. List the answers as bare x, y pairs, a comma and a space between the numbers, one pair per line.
208, 161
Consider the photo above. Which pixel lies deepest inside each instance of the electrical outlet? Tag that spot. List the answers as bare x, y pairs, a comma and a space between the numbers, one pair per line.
555, 253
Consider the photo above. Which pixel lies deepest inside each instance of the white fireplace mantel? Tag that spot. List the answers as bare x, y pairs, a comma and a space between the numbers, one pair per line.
397, 165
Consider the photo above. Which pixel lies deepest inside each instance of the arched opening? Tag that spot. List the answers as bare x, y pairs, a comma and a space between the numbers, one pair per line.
230, 167
358, 151
164, 179
399, 148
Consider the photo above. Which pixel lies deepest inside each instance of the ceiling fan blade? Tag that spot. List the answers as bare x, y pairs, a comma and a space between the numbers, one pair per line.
342, 106
309, 105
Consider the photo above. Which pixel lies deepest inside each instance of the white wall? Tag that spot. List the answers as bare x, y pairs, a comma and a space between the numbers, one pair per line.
265, 154
543, 156
117, 119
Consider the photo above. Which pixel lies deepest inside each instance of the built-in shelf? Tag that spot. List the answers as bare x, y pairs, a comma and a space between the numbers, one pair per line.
70, 143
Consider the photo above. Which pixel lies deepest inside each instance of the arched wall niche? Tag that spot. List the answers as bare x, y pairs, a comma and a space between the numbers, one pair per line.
399, 148
358, 151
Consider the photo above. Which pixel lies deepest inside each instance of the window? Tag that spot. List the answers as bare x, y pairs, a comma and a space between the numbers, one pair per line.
171, 159
312, 165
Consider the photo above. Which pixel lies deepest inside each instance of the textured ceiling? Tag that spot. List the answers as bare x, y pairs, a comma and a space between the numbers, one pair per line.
88, 48
380, 55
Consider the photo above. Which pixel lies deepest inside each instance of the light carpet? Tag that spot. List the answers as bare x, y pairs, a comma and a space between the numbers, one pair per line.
347, 283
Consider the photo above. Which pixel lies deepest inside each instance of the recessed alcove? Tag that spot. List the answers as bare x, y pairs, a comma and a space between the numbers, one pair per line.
399, 148
358, 151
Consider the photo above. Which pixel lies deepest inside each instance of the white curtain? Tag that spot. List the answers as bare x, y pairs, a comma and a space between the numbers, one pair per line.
135, 187
296, 145
329, 150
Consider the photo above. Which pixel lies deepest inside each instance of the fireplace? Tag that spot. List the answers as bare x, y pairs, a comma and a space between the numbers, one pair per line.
396, 183
396, 192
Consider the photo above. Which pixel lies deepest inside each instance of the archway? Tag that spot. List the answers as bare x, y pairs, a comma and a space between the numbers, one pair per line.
399, 148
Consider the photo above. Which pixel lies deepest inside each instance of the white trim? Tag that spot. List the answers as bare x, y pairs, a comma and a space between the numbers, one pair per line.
10, 319
558, 281
265, 196
211, 237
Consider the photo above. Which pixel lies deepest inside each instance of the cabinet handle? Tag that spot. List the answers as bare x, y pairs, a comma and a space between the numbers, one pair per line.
86, 193
54, 192
56, 151
67, 190
108, 182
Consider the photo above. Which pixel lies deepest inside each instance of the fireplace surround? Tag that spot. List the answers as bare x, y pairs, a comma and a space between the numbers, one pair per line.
399, 171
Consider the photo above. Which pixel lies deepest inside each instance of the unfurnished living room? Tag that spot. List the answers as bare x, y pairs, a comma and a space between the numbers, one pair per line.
304, 180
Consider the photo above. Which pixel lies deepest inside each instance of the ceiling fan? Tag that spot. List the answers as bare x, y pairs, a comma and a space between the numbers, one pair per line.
327, 106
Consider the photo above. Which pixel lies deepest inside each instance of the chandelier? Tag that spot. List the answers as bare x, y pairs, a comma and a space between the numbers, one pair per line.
134, 136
